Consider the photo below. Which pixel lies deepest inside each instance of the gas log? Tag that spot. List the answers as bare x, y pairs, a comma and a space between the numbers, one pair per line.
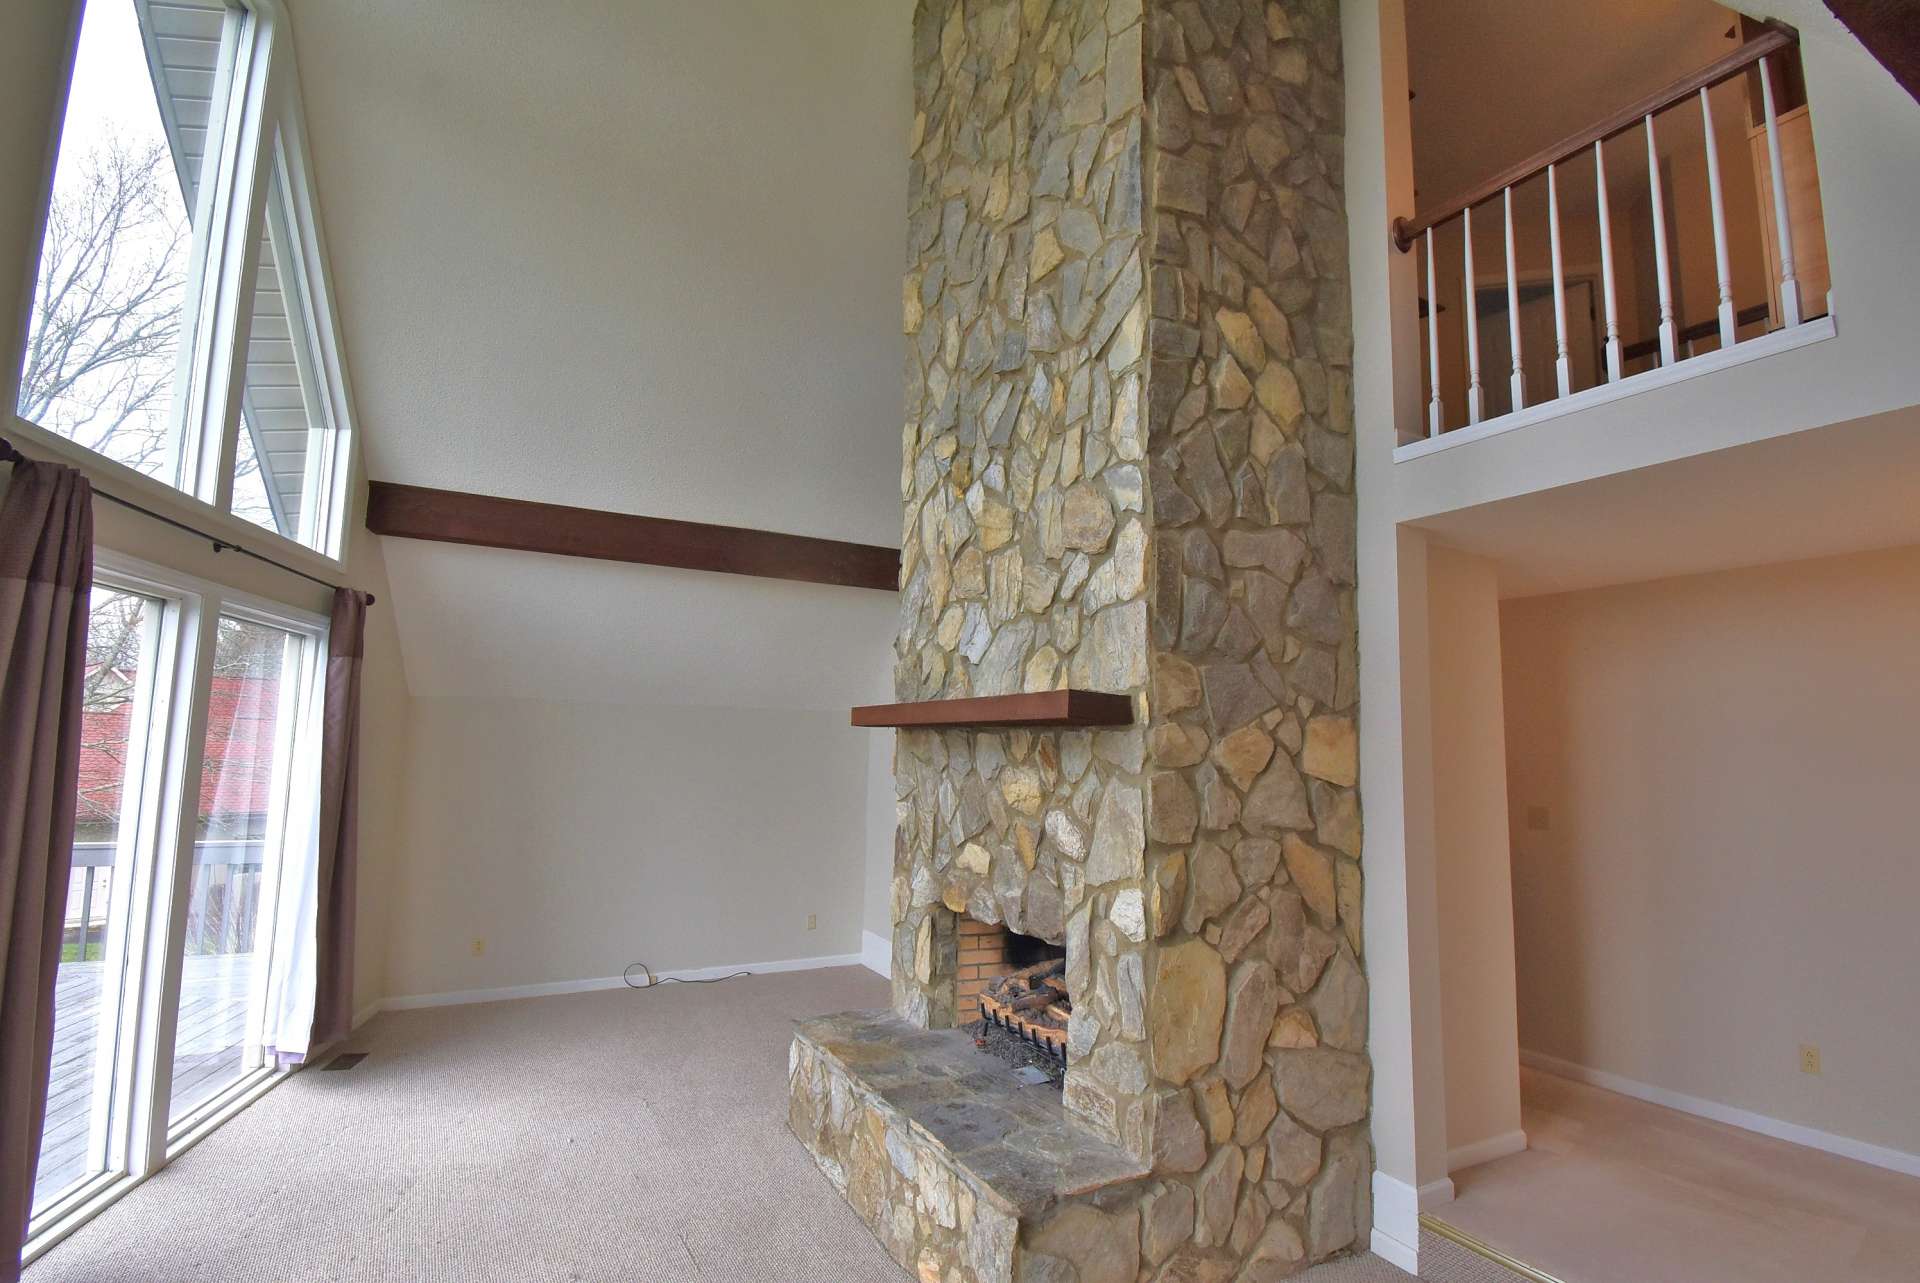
1033, 1003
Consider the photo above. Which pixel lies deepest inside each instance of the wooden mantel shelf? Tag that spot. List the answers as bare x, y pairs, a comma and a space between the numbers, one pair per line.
1040, 708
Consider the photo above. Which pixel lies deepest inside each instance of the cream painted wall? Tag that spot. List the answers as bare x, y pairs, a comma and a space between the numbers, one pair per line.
1402, 955
1478, 1031
642, 256
1726, 764
575, 839
876, 914
632, 254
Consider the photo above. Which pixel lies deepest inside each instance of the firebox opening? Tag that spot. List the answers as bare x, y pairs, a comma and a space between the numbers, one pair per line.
1012, 993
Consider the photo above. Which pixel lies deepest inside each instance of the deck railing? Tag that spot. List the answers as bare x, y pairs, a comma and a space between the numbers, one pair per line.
1674, 340
222, 911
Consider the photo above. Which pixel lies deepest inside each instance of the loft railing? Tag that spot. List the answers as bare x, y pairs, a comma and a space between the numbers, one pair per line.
1773, 41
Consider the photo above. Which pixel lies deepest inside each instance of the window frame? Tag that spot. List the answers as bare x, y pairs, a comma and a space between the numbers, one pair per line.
261, 132
159, 841
296, 733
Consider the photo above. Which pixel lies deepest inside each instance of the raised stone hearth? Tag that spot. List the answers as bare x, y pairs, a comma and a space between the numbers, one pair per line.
1127, 467
939, 1149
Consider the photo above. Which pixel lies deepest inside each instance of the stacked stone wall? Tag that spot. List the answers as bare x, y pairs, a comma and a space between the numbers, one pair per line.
1025, 540
1128, 466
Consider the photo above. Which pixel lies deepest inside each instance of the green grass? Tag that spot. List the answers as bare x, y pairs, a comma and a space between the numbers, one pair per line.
96, 950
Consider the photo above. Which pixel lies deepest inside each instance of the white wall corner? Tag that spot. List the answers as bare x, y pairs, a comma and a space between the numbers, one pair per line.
876, 953
1436, 1193
1396, 1221
1483, 1151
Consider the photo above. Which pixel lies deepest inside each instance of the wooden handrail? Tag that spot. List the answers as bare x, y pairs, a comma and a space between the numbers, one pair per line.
1776, 37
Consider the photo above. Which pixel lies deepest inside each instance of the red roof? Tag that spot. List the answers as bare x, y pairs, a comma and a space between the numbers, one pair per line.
237, 775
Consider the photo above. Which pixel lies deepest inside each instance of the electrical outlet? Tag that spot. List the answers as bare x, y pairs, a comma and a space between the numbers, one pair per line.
813, 921
479, 948
1809, 1058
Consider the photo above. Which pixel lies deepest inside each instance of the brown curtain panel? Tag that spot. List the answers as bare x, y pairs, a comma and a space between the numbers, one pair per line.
46, 572
339, 820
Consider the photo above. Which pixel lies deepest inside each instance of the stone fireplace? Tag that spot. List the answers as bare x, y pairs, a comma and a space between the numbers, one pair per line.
1127, 467
988, 952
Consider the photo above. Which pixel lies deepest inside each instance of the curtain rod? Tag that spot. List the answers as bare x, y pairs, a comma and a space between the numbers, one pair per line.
9, 453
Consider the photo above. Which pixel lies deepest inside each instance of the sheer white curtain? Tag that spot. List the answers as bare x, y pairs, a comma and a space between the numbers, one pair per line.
293, 964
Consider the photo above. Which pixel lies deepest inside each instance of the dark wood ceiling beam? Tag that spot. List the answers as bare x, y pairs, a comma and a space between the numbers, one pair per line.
1890, 29
487, 521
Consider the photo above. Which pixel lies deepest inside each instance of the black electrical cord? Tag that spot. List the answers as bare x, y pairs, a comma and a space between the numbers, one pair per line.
653, 980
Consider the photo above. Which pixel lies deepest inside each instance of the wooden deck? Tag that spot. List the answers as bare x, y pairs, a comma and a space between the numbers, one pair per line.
213, 1020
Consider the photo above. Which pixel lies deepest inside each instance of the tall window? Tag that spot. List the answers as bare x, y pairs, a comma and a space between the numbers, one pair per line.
177, 324
104, 344
283, 477
180, 337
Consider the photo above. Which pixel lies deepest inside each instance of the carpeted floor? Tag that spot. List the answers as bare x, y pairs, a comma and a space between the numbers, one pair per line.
619, 1136
1614, 1188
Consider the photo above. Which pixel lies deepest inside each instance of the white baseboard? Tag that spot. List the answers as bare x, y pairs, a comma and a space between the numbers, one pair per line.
459, 997
876, 953
368, 1012
1436, 1193
1893, 1160
1396, 1222
1485, 1151
1392, 1250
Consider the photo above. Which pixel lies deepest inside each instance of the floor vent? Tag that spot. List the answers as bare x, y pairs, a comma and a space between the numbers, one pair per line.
345, 1060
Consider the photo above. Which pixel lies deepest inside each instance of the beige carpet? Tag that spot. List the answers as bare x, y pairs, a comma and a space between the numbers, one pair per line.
1614, 1189
618, 1137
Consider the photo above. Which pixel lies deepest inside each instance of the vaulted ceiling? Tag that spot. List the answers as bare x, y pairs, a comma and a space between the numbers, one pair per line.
635, 257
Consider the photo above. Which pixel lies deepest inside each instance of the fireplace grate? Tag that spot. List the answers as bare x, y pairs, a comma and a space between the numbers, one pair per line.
1033, 1004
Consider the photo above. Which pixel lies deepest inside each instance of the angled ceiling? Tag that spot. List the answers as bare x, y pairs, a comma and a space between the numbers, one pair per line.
636, 257
1495, 81
1851, 487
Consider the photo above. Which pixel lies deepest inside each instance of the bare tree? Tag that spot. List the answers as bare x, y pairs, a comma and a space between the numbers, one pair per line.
105, 327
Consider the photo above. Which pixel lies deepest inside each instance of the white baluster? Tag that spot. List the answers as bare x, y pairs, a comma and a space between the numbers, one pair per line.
1789, 285
1722, 272
1433, 341
1562, 363
1606, 266
1661, 269
1473, 322
1519, 389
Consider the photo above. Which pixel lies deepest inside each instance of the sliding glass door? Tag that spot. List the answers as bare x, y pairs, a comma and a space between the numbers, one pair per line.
90, 991
188, 940
239, 853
